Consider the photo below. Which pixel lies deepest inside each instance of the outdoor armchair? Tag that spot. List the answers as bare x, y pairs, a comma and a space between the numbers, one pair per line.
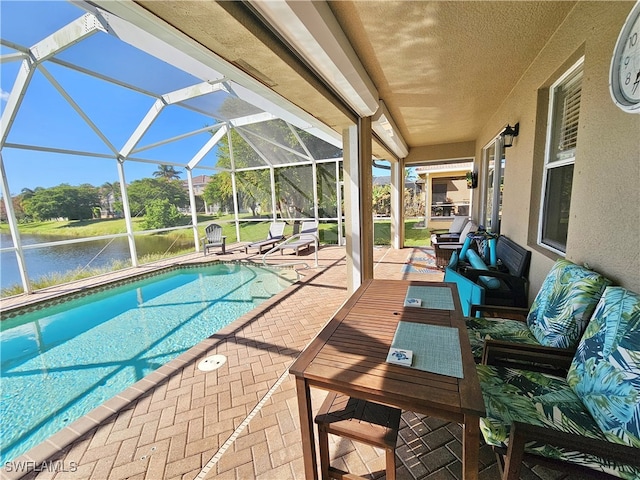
588, 421
213, 238
445, 246
459, 222
557, 317
502, 270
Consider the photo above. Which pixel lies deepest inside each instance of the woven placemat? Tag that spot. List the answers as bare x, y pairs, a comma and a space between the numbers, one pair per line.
437, 298
435, 348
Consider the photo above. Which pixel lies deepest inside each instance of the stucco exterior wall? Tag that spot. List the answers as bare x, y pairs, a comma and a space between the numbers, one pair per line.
604, 228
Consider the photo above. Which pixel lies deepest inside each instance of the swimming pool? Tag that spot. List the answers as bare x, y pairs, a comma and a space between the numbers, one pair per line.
59, 363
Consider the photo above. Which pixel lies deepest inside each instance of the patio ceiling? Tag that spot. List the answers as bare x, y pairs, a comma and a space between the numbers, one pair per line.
441, 68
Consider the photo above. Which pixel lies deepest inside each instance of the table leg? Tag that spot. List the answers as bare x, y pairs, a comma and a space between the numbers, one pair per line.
470, 447
306, 427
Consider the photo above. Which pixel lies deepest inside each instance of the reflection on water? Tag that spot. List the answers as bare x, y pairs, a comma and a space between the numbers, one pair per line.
64, 258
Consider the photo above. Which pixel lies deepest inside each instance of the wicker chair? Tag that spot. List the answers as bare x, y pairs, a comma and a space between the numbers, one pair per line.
444, 246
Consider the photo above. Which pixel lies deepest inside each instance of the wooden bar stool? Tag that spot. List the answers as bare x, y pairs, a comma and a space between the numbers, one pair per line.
367, 422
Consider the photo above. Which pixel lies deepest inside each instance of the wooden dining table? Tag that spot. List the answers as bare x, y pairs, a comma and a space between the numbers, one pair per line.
349, 356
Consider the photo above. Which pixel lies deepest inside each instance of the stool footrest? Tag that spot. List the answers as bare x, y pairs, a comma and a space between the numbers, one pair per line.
359, 420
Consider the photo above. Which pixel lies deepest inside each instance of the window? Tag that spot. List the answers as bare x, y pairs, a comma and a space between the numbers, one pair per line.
493, 184
562, 140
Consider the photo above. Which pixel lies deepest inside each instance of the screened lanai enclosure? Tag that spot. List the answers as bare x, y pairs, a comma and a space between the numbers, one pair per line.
101, 120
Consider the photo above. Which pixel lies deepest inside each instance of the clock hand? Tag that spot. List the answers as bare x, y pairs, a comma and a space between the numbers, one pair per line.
636, 83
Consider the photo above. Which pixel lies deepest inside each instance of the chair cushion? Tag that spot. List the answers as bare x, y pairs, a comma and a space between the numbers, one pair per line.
605, 372
480, 329
476, 262
459, 221
543, 400
564, 304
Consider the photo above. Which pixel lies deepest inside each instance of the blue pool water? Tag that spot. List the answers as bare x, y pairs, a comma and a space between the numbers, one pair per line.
61, 362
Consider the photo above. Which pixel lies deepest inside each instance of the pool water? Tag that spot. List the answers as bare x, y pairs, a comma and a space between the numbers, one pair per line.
61, 362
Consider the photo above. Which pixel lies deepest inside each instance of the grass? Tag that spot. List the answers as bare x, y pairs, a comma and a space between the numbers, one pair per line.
249, 232
58, 278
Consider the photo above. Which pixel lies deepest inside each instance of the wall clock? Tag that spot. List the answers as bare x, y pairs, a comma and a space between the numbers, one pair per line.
624, 76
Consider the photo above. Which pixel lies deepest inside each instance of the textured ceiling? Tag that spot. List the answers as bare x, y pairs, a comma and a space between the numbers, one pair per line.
441, 67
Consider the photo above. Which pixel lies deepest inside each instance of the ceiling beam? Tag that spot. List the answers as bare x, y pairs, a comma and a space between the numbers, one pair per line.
311, 29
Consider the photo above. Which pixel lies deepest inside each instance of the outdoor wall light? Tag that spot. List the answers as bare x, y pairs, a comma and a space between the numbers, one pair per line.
509, 133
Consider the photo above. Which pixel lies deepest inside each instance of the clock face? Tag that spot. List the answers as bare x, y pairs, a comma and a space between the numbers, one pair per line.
625, 65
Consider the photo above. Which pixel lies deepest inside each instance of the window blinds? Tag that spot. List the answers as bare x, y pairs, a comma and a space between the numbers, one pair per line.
567, 116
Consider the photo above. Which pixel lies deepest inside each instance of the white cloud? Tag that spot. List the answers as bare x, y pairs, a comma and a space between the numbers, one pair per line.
4, 96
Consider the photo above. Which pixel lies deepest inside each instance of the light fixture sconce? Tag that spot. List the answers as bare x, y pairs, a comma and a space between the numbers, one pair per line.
509, 133
472, 179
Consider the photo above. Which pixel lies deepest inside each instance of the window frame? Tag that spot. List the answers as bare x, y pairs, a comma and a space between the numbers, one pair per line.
491, 190
550, 160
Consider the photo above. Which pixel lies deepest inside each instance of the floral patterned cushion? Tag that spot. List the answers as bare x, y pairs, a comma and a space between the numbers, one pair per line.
479, 329
543, 400
561, 310
605, 373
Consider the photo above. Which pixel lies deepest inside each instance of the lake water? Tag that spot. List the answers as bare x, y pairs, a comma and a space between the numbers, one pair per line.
64, 258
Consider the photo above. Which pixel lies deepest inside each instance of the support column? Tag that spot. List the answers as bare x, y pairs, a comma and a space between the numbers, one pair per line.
234, 187
272, 179
397, 204
194, 210
358, 203
127, 213
13, 228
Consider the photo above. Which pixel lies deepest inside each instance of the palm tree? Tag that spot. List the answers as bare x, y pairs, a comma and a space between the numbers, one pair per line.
109, 196
166, 171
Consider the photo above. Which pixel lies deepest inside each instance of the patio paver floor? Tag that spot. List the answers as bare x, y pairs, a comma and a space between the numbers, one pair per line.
241, 421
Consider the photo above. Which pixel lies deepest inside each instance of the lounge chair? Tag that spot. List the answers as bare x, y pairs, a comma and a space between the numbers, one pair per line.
275, 235
308, 237
213, 238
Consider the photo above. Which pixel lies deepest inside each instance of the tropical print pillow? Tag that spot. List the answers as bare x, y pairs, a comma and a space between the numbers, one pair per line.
512, 395
562, 308
605, 373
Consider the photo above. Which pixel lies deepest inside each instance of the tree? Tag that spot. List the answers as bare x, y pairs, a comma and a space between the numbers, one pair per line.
381, 195
63, 201
218, 190
167, 171
110, 196
161, 214
254, 186
142, 192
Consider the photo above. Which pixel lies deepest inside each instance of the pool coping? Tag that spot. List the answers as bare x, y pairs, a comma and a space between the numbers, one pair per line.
38, 455
63, 297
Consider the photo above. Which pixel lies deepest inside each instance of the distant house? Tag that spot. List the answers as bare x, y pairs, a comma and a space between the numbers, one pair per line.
446, 191
199, 184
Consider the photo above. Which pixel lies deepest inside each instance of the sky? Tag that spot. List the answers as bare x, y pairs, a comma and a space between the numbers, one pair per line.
46, 119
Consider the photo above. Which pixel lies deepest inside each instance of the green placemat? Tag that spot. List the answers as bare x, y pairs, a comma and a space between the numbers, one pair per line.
438, 298
435, 348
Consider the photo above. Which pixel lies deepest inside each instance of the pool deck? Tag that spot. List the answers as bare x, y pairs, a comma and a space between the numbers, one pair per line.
241, 421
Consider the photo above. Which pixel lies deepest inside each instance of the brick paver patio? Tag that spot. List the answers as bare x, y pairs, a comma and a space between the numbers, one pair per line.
241, 421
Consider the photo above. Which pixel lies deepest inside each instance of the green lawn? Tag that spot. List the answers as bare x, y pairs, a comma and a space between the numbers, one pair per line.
249, 231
